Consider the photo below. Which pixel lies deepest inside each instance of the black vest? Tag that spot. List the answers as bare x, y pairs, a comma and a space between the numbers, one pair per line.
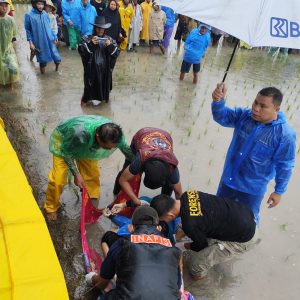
146, 271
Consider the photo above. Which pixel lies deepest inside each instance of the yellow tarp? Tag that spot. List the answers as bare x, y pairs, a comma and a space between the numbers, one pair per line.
29, 267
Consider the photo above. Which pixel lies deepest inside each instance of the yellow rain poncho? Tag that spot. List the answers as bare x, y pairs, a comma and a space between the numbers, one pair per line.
146, 10
9, 68
126, 14
11, 5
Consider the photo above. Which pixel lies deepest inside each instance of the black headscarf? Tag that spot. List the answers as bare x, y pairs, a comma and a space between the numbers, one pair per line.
113, 17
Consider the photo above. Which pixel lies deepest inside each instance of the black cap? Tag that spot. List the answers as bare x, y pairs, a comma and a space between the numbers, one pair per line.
156, 174
145, 215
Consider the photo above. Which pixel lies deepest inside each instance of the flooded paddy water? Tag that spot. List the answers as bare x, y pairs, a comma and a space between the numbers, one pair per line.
147, 92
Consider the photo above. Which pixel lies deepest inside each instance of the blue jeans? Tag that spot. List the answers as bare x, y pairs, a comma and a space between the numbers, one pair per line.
252, 201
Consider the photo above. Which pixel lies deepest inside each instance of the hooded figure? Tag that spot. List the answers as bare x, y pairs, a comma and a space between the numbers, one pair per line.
87, 17
98, 54
112, 16
41, 36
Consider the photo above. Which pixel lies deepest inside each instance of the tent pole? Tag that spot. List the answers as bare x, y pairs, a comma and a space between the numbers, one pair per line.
232, 55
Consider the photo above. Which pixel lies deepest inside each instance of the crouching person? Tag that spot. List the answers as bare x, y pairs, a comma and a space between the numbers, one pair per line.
219, 228
146, 264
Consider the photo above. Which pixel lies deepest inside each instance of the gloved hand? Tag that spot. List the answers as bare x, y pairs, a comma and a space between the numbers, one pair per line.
89, 277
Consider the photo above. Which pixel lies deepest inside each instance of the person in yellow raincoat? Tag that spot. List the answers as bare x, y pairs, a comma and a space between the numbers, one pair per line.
12, 9
146, 7
126, 13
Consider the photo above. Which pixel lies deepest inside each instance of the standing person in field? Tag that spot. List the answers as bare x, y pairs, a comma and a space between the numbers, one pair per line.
169, 25
41, 37
112, 16
262, 148
9, 67
98, 53
146, 8
196, 45
99, 5
181, 30
88, 15
135, 27
71, 17
77, 144
50, 9
126, 13
157, 22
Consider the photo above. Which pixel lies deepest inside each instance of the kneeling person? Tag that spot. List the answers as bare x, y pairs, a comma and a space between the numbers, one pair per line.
147, 265
205, 217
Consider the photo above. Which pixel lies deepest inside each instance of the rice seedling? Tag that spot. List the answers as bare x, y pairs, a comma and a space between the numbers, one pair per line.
208, 182
284, 226
44, 129
210, 162
205, 131
189, 131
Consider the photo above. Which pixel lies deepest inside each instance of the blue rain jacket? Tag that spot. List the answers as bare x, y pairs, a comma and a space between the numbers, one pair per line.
171, 16
258, 152
38, 30
70, 11
196, 45
87, 16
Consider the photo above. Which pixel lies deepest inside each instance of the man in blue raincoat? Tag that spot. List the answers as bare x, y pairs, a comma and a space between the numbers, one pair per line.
71, 17
87, 17
262, 148
40, 35
195, 47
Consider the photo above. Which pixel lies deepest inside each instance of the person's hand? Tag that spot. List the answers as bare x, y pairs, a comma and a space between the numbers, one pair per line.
117, 208
106, 212
89, 278
273, 200
31, 46
107, 42
78, 180
56, 42
95, 40
220, 92
70, 23
120, 35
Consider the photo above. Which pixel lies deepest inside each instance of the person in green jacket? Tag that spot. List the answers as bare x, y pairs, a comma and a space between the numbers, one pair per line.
77, 144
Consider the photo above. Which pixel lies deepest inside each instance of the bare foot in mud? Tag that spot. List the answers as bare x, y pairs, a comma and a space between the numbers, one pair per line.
52, 216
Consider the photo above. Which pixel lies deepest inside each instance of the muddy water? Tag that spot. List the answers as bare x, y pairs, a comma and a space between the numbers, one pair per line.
147, 93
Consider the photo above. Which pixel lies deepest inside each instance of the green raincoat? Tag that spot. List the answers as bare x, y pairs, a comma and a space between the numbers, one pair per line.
75, 139
9, 68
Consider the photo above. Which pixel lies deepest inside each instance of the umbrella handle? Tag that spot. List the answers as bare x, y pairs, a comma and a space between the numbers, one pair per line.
231, 58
